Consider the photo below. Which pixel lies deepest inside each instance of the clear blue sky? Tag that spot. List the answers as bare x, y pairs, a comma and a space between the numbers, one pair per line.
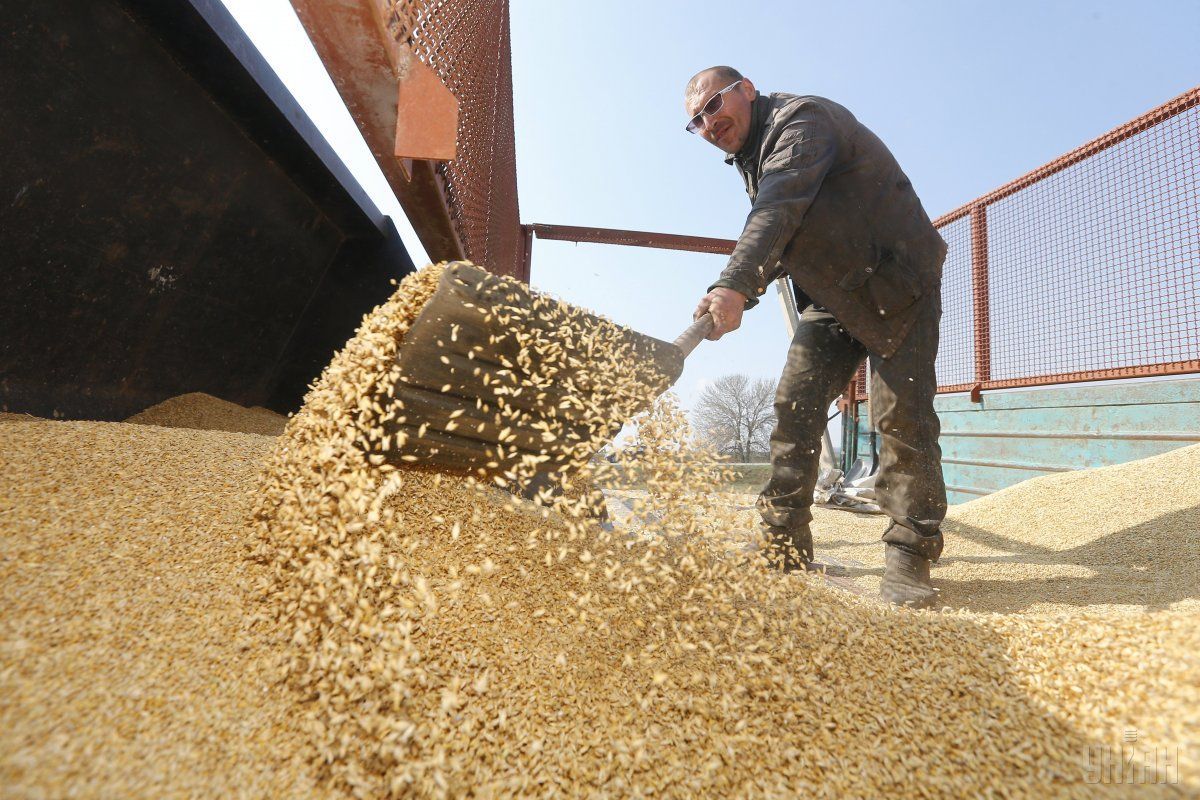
968, 95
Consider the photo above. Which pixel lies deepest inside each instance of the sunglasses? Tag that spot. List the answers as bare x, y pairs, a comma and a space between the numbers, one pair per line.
713, 105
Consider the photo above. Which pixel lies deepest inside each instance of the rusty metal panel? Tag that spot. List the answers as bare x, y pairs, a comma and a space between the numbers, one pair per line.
174, 214
468, 44
364, 63
426, 117
465, 207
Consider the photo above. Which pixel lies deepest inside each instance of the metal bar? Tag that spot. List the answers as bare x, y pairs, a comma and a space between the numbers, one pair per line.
849, 408
1007, 465
979, 291
954, 216
1139, 371
968, 490
426, 114
956, 387
428, 210
1116, 373
1154, 116
791, 316
527, 251
1130, 437
661, 241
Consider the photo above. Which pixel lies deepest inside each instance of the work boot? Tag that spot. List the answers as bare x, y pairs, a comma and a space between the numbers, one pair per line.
792, 551
906, 579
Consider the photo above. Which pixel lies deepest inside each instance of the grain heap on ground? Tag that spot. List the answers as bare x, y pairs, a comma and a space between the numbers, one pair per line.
454, 640
127, 666
205, 412
440, 637
1123, 537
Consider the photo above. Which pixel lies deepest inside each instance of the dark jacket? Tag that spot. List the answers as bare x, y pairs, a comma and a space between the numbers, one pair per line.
833, 209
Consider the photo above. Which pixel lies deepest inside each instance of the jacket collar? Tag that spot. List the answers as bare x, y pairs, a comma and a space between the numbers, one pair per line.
759, 111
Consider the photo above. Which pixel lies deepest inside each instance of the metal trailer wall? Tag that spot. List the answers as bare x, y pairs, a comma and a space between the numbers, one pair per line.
170, 220
1010, 436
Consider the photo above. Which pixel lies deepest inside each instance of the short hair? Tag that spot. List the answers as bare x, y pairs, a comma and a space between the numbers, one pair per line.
726, 74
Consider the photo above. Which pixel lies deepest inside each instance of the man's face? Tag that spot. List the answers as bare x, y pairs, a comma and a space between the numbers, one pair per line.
729, 127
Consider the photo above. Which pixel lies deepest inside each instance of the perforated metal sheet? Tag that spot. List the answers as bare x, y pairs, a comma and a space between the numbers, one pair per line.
467, 43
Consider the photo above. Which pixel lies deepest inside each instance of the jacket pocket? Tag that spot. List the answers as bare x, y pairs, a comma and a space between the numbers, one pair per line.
887, 287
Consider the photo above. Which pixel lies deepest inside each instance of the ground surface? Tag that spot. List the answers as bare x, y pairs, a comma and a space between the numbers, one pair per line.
1124, 537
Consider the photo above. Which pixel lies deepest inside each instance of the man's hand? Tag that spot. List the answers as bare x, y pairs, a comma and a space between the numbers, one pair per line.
726, 306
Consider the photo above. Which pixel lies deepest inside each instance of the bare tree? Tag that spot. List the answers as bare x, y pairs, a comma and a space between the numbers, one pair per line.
737, 414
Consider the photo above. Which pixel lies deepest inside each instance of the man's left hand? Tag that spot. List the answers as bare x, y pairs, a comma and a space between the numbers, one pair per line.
726, 306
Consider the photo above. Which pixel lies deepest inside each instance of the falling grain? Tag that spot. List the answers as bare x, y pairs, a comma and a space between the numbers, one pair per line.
435, 636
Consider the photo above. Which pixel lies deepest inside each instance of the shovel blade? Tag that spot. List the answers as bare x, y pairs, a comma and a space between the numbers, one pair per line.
465, 343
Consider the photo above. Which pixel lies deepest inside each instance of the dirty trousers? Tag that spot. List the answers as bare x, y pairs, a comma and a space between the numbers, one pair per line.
909, 486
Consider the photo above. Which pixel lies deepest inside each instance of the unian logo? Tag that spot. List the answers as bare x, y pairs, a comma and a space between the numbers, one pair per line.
1132, 762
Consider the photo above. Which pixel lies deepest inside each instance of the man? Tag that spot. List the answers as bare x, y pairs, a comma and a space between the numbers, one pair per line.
832, 210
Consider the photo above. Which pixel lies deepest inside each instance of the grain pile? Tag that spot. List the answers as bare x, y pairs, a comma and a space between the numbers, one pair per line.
1124, 537
399, 633
449, 639
127, 665
205, 412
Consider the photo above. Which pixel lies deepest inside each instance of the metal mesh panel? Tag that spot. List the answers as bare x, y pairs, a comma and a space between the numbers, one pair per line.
956, 354
861, 384
1097, 267
467, 43
1087, 268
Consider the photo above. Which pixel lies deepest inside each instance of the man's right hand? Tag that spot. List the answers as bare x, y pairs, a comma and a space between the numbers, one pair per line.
726, 306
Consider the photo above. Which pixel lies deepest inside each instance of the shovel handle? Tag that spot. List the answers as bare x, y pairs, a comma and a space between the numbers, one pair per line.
697, 332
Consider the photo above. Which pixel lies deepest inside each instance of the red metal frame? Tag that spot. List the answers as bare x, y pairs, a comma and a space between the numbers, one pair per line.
979, 293
1085, 376
455, 177
661, 241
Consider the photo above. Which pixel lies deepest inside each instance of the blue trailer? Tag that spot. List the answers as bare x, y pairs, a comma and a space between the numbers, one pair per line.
1011, 435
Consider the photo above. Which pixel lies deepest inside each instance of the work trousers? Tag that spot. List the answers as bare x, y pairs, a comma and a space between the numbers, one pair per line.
909, 486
